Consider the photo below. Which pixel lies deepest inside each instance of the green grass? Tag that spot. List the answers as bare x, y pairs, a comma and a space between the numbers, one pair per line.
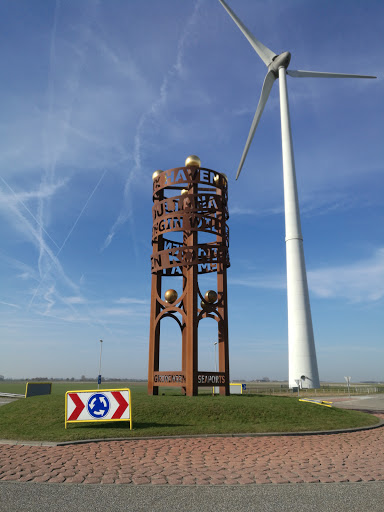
42, 418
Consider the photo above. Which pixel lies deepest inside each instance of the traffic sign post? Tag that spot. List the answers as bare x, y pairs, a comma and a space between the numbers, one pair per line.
96, 405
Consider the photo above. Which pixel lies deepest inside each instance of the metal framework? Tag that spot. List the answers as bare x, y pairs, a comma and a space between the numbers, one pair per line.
188, 201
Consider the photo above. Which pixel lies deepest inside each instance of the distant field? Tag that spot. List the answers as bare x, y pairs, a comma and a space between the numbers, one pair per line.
326, 389
42, 418
60, 387
267, 388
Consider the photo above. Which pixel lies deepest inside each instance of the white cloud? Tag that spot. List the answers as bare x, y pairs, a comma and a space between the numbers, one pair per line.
265, 212
362, 281
313, 204
9, 304
152, 112
27, 272
21, 197
274, 282
9, 203
358, 282
127, 300
122, 312
75, 300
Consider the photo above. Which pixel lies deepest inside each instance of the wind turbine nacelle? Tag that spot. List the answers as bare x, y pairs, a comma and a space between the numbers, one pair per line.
280, 61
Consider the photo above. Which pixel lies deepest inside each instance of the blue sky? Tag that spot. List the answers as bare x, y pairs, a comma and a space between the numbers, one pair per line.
96, 95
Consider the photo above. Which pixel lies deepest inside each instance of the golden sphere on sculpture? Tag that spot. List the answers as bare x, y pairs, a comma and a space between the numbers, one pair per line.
210, 296
216, 179
184, 191
193, 161
203, 304
171, 296
156, 174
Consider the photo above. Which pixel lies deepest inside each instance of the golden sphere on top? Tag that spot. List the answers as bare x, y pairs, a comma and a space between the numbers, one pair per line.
217, 177
193, 161
156, 174
210, 296
171, 296
184, 191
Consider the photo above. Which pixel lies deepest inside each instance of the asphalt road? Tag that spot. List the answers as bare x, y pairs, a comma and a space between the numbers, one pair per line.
348, 497
369, 403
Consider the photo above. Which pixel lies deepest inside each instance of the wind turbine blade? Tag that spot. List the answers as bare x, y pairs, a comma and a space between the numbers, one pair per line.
264, 53
267, 86
320, 74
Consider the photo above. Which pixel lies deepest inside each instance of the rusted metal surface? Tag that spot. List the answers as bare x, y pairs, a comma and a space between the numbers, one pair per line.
189, 201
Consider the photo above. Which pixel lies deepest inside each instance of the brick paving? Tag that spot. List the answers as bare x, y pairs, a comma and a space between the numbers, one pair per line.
346, 457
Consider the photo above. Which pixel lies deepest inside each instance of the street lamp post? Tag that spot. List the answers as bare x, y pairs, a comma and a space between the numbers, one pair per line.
99, 376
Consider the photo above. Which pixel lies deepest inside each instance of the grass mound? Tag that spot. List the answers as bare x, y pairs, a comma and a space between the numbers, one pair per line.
42, 418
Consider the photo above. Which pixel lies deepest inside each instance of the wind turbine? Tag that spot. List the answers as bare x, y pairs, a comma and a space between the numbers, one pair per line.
301, 345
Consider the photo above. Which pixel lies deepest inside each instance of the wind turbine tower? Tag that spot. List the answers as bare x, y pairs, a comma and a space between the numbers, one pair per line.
301, 345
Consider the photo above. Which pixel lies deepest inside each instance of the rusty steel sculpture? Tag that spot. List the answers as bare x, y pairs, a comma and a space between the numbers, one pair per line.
187, 201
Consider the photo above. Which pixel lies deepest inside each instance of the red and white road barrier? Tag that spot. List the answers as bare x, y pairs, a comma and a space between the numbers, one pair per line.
98, 405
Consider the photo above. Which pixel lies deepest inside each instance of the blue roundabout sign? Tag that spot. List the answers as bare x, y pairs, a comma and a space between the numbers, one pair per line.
98, 405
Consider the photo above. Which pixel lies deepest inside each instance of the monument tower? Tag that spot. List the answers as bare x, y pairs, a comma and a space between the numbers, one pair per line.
189, 201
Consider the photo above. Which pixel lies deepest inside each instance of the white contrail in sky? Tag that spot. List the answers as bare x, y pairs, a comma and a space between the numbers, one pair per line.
67, 237
177, 68
54, 136
9, 304
82, 211
29, 211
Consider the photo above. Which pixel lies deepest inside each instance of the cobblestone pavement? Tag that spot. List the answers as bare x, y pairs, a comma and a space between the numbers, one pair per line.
346, 457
